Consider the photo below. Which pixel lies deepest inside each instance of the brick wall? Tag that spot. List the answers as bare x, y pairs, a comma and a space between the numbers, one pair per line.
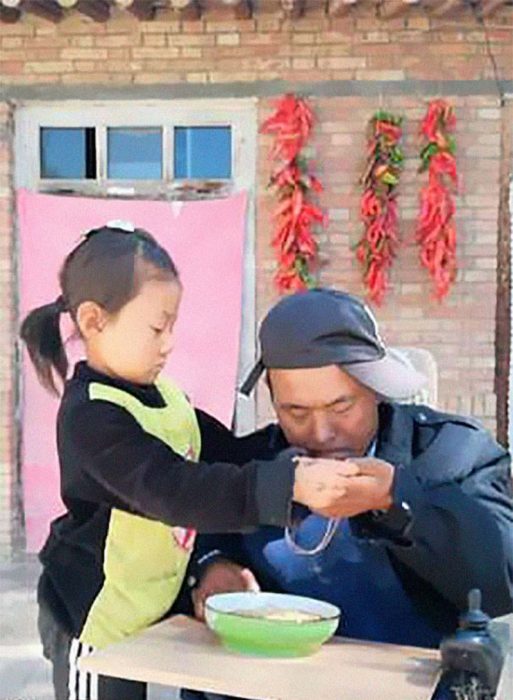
219, 50
459, 332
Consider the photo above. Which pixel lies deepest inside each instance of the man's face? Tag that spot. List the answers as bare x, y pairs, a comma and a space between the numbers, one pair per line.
324, 410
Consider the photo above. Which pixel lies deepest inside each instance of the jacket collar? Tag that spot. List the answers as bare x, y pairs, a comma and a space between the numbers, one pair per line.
395, 435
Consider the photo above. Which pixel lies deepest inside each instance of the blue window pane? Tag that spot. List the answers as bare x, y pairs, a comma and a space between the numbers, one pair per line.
134, 154
68, 153
203, 152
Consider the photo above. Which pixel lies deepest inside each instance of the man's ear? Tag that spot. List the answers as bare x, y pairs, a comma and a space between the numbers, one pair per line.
91, 319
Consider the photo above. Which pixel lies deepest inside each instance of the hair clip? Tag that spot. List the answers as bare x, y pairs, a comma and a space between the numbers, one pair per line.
122, 225
117, 224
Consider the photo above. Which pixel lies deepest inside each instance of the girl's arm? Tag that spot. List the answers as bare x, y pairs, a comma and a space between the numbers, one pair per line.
114, 461
218, 443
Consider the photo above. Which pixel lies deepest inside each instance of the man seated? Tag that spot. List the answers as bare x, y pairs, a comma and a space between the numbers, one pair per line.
428, 497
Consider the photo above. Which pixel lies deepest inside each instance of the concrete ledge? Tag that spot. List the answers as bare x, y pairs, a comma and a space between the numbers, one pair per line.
259, 88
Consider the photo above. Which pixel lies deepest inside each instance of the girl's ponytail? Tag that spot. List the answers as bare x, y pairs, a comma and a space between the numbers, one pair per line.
41, 333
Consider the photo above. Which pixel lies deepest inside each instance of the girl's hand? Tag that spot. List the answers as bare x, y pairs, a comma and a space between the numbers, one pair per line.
321, 483
355, 485
369, 489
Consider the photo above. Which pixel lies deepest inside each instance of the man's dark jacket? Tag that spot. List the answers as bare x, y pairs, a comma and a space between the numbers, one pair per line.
456, 480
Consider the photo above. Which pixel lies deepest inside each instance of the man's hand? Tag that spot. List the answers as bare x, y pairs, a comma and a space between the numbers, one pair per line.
357, 486
222, 577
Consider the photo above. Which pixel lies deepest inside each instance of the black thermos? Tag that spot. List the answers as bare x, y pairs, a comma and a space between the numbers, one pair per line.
471, 658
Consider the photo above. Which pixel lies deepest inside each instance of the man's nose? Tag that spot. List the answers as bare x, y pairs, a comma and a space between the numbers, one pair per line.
322, 431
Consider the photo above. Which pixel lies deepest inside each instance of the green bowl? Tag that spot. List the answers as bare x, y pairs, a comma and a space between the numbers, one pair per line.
238, 620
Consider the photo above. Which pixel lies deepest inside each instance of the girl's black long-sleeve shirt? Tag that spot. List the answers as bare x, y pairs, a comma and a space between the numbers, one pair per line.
108, 462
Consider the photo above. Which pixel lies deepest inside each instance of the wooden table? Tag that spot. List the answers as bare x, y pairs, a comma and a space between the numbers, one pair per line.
503, 629
183, 653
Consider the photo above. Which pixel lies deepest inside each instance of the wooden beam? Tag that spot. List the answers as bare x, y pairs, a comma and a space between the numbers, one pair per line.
293, 8
488, 7
446, 8
47, 9
144, 10
339, 8
188, 9
430, 5
98, 10
9, 15
242, 9
395, 8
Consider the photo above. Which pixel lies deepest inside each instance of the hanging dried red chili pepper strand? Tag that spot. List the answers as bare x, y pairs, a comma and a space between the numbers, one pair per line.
436, 230
378, 209
295, 216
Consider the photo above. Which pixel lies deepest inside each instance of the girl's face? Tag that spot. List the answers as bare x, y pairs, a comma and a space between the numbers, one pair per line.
135, 343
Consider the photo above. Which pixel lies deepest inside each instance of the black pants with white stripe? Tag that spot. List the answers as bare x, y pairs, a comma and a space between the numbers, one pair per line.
69, 683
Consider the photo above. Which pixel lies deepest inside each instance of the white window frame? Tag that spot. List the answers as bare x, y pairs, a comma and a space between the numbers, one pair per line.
240, 114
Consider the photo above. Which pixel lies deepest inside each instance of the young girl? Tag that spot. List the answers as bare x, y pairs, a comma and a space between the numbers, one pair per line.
129, 445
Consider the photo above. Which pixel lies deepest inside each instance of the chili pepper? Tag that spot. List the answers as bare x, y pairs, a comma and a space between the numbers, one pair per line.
378, 208
436, 233
294, 215
393, 132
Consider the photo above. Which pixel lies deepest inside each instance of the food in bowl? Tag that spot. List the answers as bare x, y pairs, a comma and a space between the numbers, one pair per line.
277, 614
271, 624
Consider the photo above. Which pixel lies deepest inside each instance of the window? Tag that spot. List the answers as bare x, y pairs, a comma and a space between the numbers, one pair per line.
153, 149
148, 150
134, 154
203, 152
67, 153
197, 153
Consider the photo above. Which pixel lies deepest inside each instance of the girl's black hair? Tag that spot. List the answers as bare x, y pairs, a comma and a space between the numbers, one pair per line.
108, 267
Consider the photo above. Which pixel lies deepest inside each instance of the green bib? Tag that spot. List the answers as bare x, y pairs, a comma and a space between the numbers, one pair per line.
144, 560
